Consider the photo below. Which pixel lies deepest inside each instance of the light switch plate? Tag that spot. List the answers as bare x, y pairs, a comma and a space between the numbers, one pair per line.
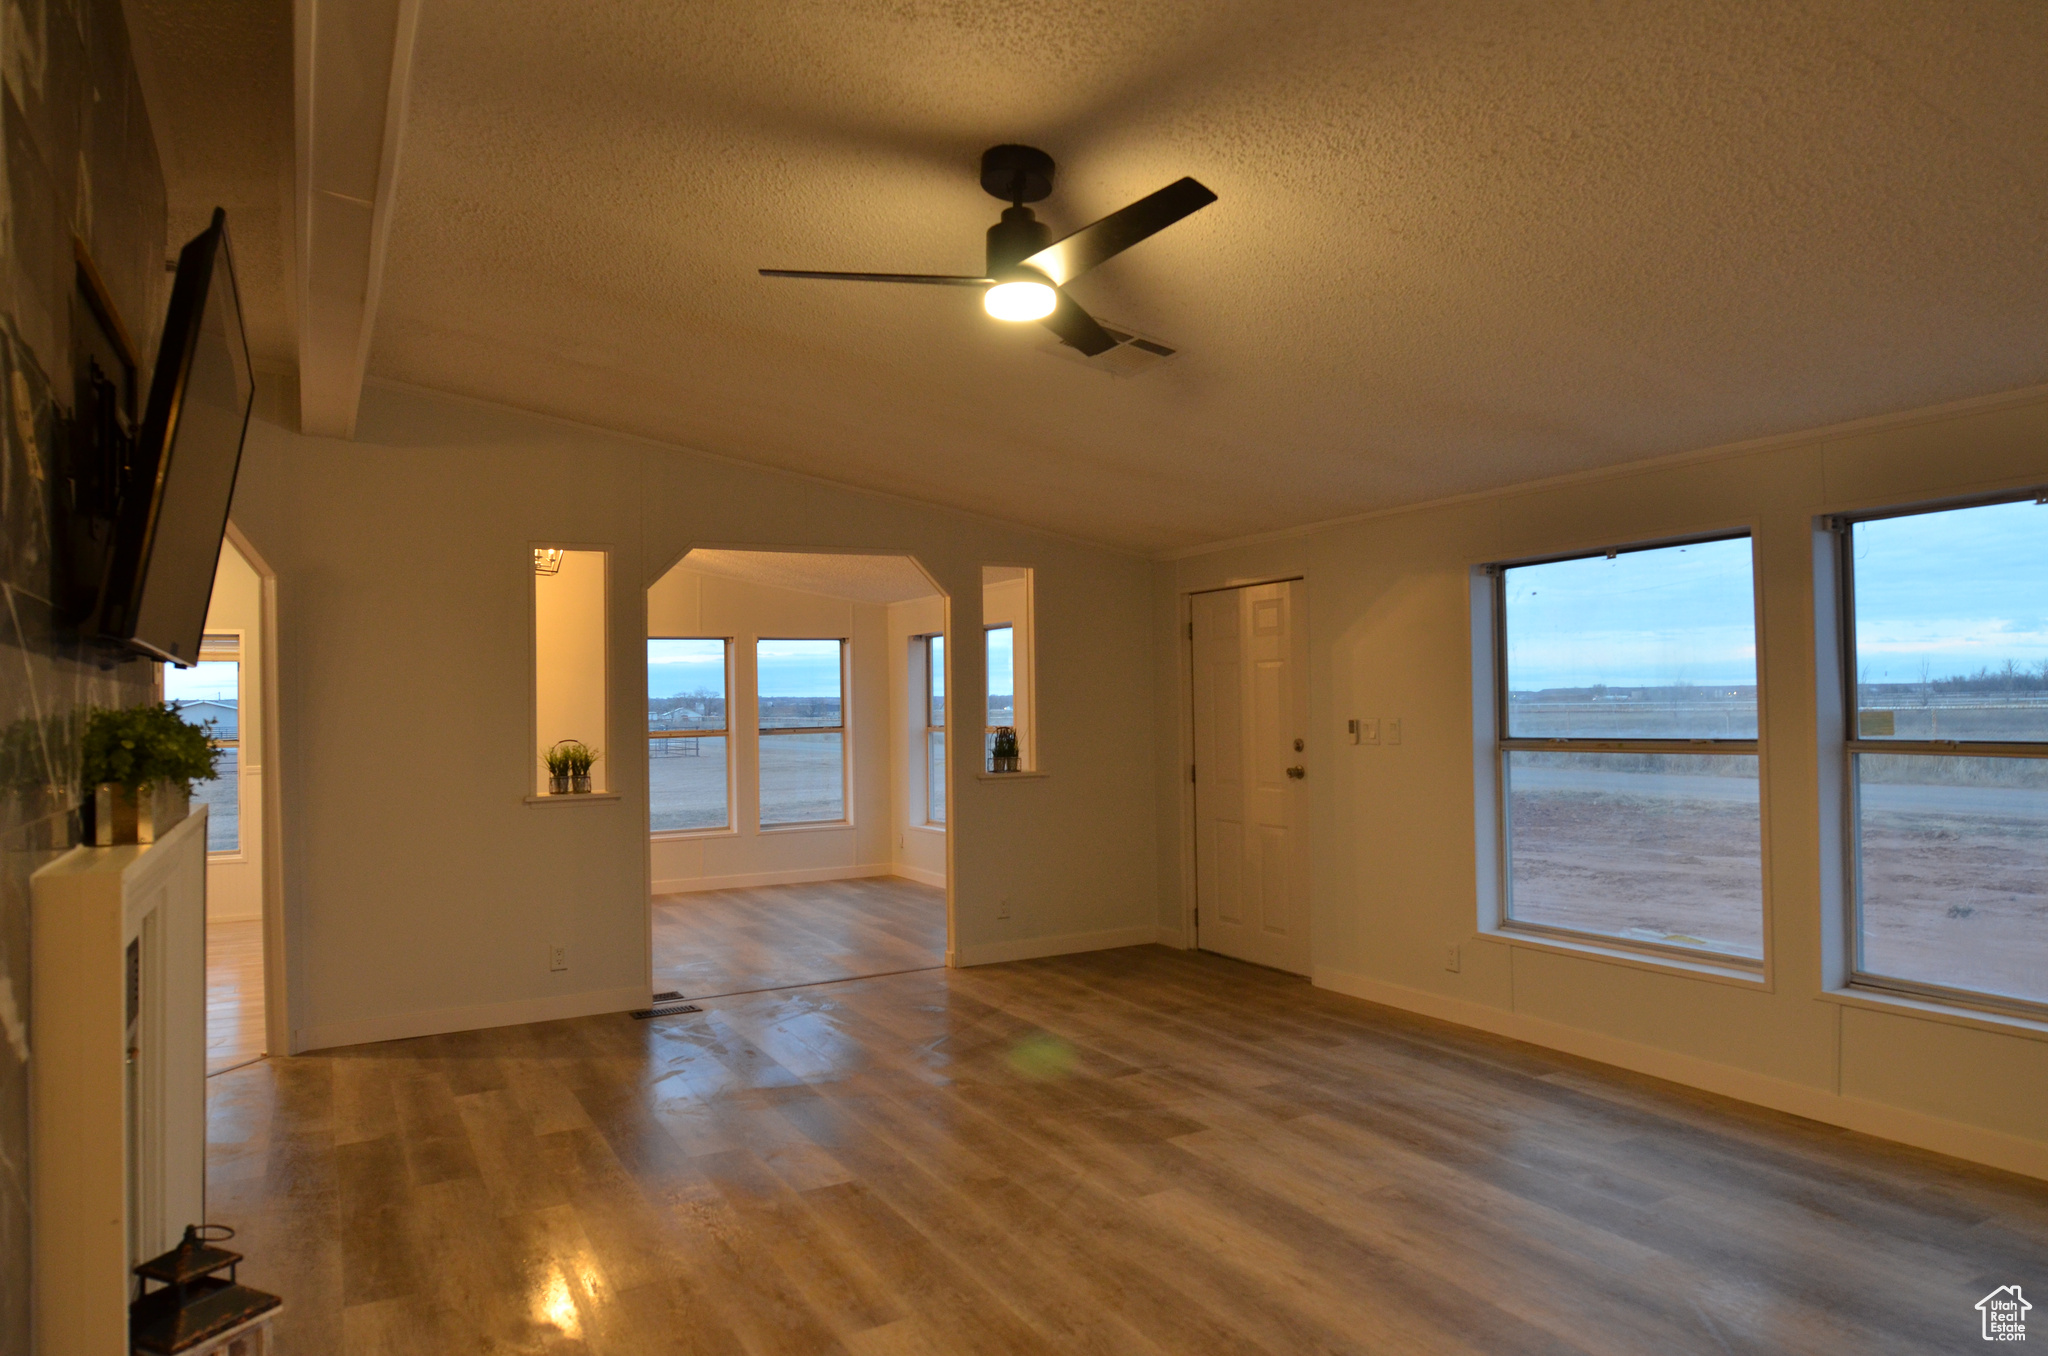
1368, 732
1393, 731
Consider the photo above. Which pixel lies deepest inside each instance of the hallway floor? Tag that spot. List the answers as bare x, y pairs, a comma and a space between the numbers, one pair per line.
1141, 1152
775, 936
234, 993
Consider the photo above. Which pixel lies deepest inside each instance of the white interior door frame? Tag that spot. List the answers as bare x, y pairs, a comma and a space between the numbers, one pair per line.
264, 683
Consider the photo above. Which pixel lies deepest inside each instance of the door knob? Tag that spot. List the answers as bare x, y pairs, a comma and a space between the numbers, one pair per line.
1297, 772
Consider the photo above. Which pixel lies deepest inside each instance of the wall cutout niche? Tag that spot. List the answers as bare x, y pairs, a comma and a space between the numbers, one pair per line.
1007, 637
569, 678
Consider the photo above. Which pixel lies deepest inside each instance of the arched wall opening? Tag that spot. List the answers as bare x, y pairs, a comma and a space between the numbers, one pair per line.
796, 813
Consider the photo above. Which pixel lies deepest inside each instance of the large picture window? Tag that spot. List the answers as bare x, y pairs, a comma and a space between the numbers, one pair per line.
209, 694
1947, 642
1627, 719
935, 729
688, 738
801, 718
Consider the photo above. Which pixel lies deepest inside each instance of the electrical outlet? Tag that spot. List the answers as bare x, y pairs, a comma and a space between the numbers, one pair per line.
1003, 909
1394, 731
1452, 961
558, 957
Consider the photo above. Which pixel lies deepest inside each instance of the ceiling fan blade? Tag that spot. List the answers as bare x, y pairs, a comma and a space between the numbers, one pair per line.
936, 279
1065, 260
1077, 329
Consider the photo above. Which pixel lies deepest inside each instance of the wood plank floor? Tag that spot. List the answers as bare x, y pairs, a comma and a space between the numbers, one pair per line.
1138, 1151
738, 941
234, 993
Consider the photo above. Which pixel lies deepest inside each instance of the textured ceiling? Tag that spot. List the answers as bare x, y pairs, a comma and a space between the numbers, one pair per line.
1459, 244
218, 78
863, 579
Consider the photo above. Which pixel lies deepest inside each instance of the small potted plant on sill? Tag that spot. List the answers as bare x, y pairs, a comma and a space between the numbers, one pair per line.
138, 766
580, 756
1002, 756
557, 759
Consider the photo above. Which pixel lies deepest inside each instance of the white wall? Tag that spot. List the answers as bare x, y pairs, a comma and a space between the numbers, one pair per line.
421, 894
234, 882
1396, 833
686, 602
918, 849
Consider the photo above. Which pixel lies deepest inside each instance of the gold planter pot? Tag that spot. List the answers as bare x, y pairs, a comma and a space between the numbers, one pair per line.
123, 814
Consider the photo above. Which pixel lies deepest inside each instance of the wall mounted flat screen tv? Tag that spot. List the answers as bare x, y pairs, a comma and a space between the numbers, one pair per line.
174, 512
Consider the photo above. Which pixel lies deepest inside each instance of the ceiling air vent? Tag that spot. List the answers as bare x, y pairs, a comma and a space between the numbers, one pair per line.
1134, 353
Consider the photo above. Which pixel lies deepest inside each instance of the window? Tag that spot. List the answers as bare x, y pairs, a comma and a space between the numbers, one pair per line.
1627, 712
803, 734
210, 694
934, 729
1947, 641
688, 782
1002, 687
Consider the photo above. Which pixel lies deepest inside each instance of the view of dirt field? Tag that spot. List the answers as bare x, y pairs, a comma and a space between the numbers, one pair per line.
1955, 887
1654, 857
1955, 873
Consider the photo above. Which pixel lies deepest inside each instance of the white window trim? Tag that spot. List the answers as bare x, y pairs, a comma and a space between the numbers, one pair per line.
729, 829
843, 730
1491, 746
1835, 610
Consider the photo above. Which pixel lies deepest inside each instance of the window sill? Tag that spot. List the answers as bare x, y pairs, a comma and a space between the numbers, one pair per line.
229, 857
826, 826
572, 798
673, 835
1010, 776
929, 828
1593, 949
1929, 1009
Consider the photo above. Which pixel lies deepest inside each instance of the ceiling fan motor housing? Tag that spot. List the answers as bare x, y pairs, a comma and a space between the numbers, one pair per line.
1017, 237
1016, 174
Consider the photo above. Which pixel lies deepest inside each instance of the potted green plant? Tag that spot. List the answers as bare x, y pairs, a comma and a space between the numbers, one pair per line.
580, 756
1002, 754
138, 765
558, 761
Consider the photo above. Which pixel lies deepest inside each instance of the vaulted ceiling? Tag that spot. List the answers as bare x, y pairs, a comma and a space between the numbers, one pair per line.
1459, 244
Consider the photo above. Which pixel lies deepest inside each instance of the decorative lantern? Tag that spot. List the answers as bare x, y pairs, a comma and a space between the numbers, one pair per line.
198, 1313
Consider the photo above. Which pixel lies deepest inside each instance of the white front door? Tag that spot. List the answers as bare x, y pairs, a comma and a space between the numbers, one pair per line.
1251, 770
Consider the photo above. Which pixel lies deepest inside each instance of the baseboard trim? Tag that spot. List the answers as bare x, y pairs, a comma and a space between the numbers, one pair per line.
691, 885
405, 1025
1063, 944
1994, 1148
918, 874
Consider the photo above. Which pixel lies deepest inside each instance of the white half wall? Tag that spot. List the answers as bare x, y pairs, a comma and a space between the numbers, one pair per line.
428, 891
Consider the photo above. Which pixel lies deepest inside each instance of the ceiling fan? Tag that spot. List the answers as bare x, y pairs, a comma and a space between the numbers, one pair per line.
1027, 269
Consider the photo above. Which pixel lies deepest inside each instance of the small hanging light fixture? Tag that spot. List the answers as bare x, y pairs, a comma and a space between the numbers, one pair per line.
198, 1313
547, 560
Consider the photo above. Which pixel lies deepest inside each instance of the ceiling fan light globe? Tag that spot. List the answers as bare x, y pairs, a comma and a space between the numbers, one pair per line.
1021, 300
